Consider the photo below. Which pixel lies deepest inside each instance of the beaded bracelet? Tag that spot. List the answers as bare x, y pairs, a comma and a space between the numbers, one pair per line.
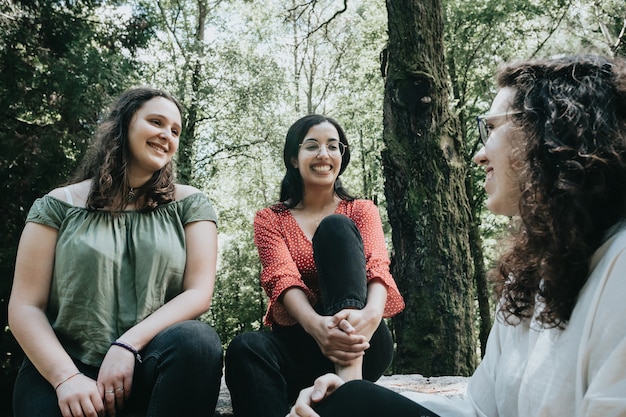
67, 379
128, 348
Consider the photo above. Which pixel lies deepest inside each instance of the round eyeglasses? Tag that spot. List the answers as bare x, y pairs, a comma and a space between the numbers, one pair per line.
313, 148
484, 127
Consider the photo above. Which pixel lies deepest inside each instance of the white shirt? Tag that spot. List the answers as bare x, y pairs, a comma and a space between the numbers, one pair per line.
576, 372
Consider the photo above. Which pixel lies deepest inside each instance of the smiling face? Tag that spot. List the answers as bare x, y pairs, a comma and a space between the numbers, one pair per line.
319, 168
153, 135
501, 184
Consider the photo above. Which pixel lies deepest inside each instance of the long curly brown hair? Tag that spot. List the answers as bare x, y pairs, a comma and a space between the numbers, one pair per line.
573, 180
106, 160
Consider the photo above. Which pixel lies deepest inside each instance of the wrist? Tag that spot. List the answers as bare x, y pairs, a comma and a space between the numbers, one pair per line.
312, 324
374, 312
128, 347
67, 378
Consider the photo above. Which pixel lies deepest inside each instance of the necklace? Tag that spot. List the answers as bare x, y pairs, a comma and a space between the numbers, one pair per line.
317, 219
131, 195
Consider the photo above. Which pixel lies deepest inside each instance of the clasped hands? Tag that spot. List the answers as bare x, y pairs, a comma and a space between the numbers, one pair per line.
344, 337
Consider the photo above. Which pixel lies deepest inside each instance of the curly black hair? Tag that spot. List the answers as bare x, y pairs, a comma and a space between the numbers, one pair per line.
573, 180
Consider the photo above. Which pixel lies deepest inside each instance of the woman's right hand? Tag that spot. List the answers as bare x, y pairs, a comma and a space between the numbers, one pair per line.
336, 339
322, 388
79, 396
115, 378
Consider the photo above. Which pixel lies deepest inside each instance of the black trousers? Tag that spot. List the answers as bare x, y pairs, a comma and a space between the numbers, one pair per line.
365, 399
266, 370
180, 376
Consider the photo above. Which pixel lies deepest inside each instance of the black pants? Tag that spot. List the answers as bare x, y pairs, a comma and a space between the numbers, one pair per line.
180, 376
365, 399
266, 370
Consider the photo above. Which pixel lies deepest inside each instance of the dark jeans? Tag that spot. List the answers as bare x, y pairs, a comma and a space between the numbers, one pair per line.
266, 370
365, 399
180, 376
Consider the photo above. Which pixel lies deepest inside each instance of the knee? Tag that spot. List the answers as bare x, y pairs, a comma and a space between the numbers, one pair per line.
336, 224
336, 228
195, 340
250, 353
245, 345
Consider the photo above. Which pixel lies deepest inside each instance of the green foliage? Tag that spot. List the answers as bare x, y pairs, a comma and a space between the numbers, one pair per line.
238, 301
480, 36
60, 62
245, 71
270, 70
483, 34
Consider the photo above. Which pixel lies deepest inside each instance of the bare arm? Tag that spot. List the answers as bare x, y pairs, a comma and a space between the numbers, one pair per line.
29, 324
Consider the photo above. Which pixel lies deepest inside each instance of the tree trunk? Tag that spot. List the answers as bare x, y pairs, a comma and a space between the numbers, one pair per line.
186, 149
426, 198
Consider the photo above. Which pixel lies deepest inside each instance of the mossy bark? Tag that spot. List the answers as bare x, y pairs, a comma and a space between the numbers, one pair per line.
426, 198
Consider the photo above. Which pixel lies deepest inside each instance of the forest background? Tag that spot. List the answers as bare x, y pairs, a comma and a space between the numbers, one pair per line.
246, 70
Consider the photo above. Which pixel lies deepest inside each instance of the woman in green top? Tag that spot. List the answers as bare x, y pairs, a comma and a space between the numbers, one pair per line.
112, 270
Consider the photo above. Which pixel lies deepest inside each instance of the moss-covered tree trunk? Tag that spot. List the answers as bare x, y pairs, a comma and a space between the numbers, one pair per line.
426, 198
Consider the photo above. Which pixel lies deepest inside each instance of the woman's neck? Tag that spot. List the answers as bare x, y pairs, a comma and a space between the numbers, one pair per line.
318, 201
135, 181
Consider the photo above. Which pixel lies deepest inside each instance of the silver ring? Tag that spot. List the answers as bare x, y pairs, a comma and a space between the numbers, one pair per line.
110, 392
119, 389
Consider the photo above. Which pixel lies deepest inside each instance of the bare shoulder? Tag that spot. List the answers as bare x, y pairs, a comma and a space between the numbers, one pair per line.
182, 191
75, 194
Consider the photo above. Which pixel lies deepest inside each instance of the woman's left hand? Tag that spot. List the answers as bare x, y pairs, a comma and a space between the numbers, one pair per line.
322, 388
115, 378
361, 322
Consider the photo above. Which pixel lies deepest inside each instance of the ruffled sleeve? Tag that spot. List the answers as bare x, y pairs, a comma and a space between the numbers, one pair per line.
279, 271
48, 211
367, 219
196, 207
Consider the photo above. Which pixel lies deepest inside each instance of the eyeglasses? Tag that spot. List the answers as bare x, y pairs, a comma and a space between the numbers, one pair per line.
313, 148
483, 127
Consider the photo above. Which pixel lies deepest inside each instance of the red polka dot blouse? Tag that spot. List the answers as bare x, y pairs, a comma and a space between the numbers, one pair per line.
286, 255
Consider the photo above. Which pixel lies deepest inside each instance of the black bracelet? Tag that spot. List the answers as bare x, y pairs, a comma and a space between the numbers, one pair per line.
128, 348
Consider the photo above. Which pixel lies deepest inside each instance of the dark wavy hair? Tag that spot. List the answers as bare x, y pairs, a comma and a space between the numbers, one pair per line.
106, 160
292, 188
573, 180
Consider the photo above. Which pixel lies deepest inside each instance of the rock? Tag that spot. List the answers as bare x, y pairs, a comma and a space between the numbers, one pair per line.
442, 385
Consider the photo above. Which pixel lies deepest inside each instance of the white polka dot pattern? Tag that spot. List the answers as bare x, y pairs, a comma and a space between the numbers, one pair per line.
287, 256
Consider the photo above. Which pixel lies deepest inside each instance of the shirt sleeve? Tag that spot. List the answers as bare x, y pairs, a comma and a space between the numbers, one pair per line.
279, 271
197, 207
367, 219
48, 211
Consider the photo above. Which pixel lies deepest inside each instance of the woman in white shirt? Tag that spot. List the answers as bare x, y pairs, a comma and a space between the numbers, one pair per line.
555, 159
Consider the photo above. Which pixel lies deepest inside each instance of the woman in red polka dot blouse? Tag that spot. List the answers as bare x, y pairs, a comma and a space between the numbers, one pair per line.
326, 273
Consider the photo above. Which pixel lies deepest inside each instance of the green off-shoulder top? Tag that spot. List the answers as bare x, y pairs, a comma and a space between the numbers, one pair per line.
110, 272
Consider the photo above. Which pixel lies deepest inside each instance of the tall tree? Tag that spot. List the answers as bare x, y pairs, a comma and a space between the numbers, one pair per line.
426, 197
479, 35
184, 24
